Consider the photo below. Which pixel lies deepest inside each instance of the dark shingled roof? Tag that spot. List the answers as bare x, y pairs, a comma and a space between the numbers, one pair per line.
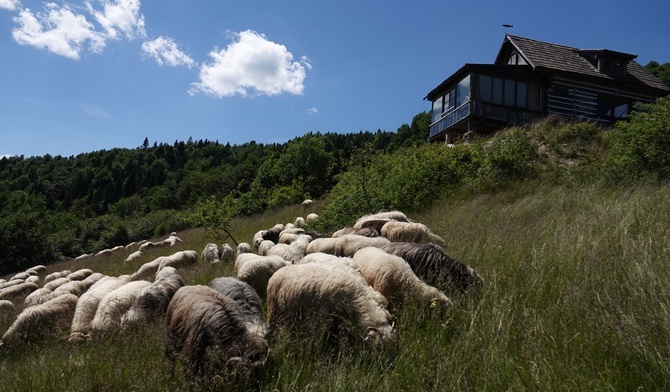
544, 55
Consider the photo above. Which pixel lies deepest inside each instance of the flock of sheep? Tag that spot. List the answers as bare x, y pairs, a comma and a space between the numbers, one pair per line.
349, 284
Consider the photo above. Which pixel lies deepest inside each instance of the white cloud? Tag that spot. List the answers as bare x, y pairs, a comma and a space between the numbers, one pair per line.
166, 52
94, 110
251, 65
313, 111
10, 4
121, 16
58, 30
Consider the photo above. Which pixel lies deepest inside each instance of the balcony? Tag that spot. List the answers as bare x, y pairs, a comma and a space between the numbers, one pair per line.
450, 118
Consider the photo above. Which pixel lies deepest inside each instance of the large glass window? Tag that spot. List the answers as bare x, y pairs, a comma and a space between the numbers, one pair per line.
463, 94
437, 109
509, 92
521, 95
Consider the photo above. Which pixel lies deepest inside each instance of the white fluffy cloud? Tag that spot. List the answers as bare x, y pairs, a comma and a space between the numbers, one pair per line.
10, 4
94, 110
64, 31
313, 111
57, 29
120, 17
251, 65
166, 52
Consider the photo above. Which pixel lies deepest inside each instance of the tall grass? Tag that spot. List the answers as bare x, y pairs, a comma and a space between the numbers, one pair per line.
575, 298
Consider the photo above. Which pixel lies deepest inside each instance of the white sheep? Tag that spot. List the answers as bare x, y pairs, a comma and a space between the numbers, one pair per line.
56, 275
18, 292
310, 218
39, 269
51, 318
304, 296
11, 283
136, 255
299, 222
56, 282
87, 305
114, 305
38, 296
180, 259
153, 300
80, 274
104, 252
289, 253
83, 256
20, 276
410, 232
243, 247
148, 269
226, 253
33, 279
349, 244
391, 215
210, 254
264, 247
395, 280
256, 270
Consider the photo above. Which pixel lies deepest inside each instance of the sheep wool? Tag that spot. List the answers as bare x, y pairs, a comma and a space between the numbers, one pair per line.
51, 318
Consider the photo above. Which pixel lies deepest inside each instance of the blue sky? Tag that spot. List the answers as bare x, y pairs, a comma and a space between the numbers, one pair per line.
85, 75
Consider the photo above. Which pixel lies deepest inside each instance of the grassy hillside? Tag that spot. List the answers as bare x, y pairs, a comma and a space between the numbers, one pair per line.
575, 297
574, 262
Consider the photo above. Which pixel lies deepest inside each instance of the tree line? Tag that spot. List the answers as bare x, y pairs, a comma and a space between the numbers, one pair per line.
56, 207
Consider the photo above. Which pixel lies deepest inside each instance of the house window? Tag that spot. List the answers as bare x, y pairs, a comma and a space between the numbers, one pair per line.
463, 94
508, 92
611, 108
516, 59
437, 109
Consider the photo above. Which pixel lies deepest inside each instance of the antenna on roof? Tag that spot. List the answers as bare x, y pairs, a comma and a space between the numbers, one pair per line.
506, 26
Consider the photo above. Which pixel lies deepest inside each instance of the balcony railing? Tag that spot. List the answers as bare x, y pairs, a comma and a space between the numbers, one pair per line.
450, 118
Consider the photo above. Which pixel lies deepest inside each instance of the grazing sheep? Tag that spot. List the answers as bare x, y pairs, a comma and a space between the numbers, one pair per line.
172, 240
33, 279
395, 280
7, 309
20, 276
390, 215
206, 331
289, 235
56, 275
39, 269
256, 270
114, 305
51, 318
153, 300
271, 234
434, 266
307, 202
312, 295
38, 296
83, 257
136, 255
310, 218
247, 299
87, 305
365, 232
180, 259
349, 244
210, 254
18, 292
80, 274
299, 222
410, 232
323, 245
243, 247
227, 254
289, 253
374, 224
55, 283
11, 283
148, 269
104, 252
264, 247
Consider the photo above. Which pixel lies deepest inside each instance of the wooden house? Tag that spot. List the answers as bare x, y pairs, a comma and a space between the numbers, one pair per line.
531, 79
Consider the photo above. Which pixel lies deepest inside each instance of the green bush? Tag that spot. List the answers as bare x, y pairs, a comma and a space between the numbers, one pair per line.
640, 145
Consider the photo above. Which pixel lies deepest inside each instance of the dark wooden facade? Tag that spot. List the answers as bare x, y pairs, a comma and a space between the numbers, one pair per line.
531, 79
